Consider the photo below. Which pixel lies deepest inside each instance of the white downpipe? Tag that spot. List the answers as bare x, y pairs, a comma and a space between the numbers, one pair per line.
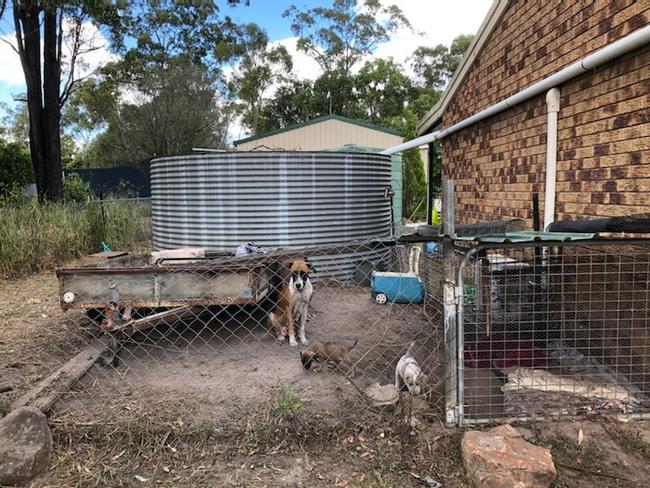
552, 109
617, 48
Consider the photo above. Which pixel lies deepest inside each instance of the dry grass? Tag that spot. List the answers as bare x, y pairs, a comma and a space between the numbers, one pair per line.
175, 443
35, 237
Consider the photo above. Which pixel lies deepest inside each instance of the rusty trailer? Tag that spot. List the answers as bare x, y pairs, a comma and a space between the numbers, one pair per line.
131, 281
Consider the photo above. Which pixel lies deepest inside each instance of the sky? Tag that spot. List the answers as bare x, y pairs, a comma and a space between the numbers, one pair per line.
434, 22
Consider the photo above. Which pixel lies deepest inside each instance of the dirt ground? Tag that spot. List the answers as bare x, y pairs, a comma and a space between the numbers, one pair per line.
169, 425
225, 357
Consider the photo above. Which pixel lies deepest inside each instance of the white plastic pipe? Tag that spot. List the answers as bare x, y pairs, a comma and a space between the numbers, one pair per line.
617, 48
552, 109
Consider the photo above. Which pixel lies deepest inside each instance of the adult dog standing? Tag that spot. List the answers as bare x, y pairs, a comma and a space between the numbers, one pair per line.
293, 304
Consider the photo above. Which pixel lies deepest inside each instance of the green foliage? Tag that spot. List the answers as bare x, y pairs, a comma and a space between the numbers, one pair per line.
434, 66
37, 236
167, 29
382, 89
256, 67
16, 169
414, 178
293, 103
75, 189
175, 109
288, 403
127, 225
340, 36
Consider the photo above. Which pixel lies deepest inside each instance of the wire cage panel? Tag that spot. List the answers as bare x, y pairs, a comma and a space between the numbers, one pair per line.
557, 329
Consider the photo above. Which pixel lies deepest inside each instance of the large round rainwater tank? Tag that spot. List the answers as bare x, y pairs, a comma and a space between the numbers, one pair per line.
275, 199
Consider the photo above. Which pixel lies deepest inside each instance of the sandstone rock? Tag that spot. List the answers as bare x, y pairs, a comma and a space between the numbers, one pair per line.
25, 446
501, 458
382, 395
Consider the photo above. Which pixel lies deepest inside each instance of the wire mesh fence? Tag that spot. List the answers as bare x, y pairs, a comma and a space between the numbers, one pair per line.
345, 329
551, 330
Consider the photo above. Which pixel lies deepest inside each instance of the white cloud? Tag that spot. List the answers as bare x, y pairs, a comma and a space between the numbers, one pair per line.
95, 54
11, 72
94, 49
304, 67
433, 22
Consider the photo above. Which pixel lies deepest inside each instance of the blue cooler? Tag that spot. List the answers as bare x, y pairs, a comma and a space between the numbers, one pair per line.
396, 287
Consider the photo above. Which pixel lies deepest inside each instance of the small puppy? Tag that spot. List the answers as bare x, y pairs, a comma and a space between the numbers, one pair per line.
293, 304
332, 352
408, 374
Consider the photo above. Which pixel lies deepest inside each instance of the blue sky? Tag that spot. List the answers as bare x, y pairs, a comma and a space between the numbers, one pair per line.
434, 22
268, 13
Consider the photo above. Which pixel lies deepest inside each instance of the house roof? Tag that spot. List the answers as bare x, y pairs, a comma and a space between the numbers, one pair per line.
318, 120
434, 116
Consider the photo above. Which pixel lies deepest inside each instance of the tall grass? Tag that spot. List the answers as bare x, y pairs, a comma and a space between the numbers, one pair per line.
34, 237
127, 225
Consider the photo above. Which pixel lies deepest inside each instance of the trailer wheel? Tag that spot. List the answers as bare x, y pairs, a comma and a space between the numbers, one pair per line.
381, 298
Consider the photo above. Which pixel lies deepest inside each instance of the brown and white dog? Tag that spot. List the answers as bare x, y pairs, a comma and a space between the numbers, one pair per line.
293, 304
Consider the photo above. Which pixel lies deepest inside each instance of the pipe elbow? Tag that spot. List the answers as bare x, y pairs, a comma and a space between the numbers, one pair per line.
553, 100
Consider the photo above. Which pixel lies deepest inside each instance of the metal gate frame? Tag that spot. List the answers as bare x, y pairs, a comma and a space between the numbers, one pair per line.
454, 304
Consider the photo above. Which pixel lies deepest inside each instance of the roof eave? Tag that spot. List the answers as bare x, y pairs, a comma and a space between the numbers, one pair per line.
434, 116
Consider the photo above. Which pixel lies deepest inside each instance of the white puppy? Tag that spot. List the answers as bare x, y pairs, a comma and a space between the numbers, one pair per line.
408, 373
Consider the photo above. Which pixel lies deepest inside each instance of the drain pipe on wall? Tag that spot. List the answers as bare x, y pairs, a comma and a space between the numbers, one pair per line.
552, 109
617, 48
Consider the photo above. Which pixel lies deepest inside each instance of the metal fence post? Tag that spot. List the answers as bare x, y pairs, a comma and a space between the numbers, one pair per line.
449, 304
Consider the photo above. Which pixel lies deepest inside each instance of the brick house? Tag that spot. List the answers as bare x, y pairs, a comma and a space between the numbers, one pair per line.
603, 133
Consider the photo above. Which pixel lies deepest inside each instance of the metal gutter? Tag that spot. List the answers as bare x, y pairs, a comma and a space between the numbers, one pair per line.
617, 48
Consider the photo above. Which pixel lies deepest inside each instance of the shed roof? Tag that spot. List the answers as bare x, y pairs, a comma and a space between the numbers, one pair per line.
318, 120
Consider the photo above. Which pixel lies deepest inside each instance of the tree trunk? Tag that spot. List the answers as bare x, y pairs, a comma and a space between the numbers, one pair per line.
52, 107
28, 37
43, 93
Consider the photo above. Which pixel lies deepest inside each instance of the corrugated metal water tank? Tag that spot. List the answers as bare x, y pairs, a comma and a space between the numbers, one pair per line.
276, 199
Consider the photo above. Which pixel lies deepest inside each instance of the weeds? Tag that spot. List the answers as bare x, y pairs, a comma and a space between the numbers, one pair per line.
288, 403
34, 236
175, 442
629, 441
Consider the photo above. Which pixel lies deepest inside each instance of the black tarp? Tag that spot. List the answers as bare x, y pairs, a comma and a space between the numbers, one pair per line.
116, 180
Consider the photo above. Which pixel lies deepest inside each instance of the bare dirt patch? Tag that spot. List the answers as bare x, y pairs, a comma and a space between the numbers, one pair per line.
607, 453
35, 334
227, 356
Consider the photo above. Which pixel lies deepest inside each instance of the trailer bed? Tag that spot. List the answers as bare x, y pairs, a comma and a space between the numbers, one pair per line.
131, 280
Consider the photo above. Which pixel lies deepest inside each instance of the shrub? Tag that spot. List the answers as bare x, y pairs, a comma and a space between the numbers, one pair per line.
75, 189
16, 169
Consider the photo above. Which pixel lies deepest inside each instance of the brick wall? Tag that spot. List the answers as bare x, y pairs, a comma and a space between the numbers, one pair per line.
604, 120
604, 141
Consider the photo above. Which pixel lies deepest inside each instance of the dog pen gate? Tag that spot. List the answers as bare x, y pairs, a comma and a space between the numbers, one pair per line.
545, 327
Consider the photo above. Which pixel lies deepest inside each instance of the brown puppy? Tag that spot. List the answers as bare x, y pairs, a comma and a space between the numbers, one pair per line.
332, 352
293, 304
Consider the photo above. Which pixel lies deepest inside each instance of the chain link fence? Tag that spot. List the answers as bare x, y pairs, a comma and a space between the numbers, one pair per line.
464, 332
195, 326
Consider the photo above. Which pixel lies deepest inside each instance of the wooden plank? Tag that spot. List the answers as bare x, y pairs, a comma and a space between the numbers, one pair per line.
167, 317
49, 390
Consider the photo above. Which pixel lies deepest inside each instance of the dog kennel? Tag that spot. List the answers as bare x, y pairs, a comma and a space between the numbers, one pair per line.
543, 326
